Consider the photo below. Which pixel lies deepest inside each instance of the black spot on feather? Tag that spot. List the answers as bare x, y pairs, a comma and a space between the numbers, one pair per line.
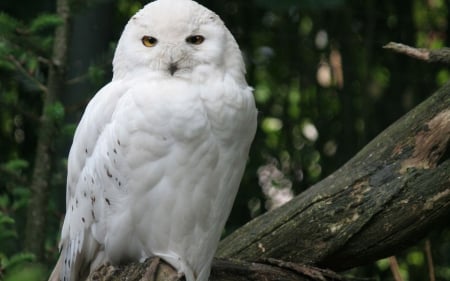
108, 173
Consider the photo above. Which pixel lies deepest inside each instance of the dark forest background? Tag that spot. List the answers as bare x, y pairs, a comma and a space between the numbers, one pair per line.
324, 87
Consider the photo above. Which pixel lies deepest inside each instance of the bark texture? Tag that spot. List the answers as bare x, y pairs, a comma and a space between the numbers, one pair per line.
385, 198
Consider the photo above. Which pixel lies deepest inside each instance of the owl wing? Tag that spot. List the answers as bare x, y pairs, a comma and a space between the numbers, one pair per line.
123, 147
83, 204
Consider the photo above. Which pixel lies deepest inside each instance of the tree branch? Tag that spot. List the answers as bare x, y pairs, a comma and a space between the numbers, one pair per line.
385, 198
155, 269
24, 72
439, 55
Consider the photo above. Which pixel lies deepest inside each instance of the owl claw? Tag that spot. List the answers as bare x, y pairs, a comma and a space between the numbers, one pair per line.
150, 273
180, 275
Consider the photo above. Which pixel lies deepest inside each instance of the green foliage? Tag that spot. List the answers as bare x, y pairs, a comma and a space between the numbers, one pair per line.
15, 265
6, 223
55, 111
18, 266
43, 23
16, 165
8, 24
129, 8
23, 47
20, 259
442, 77
96, 74
310, 122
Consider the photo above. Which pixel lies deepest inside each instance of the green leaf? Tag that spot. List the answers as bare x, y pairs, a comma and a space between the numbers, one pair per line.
4, 219
45, 22
4, 203
20, 258
96, 74
21, 196
16, 165
7, 233
32, 64
25, 271
5, 48
6, 65
69, 129
6, 224
8, 24
55, 111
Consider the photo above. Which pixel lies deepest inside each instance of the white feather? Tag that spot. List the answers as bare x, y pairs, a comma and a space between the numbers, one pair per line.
157, 158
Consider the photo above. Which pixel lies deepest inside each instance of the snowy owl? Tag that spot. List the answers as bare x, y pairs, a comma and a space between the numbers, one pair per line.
160, 151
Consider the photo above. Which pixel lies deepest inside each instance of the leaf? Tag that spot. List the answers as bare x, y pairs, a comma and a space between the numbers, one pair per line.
20, 258
28, 274
6, 234
55, 111
16, 165
96, 74
44, 23
69, 129
6, 224
6, 65
4, 219
32, 64
4, 203
21, 196
8, 24
5, 48
25, 271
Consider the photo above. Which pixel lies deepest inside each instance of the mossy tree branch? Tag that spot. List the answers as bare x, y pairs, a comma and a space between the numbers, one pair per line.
384, 199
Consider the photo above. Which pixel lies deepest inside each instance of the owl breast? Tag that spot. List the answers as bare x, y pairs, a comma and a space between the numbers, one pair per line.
173, 156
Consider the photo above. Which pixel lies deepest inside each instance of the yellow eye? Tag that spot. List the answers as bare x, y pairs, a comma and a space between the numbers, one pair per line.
195, 39
149, 41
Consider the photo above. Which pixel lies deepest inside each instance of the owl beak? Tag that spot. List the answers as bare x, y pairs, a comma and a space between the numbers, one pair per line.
173, 67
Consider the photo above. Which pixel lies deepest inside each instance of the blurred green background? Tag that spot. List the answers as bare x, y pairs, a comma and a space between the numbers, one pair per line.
323, 84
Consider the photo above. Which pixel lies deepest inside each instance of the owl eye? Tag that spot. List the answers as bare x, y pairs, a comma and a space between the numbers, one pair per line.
149, 41
195, 39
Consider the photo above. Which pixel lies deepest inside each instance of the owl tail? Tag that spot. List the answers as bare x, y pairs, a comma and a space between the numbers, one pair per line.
62, 273
55, 276
77, 255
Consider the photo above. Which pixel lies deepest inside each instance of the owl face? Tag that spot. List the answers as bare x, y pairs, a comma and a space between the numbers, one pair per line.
174, 38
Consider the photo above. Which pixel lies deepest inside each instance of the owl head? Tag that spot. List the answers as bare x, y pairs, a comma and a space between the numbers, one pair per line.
176, 39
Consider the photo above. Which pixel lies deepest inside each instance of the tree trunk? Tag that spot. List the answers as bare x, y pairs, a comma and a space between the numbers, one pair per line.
37, 207
387, 197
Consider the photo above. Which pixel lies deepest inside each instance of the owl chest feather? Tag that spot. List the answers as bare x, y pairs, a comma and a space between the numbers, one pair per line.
170, 161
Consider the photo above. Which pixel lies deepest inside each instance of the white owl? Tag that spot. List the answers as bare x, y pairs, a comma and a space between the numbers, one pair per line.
158, 156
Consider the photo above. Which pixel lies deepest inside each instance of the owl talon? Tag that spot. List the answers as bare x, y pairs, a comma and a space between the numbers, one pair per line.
150, 273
